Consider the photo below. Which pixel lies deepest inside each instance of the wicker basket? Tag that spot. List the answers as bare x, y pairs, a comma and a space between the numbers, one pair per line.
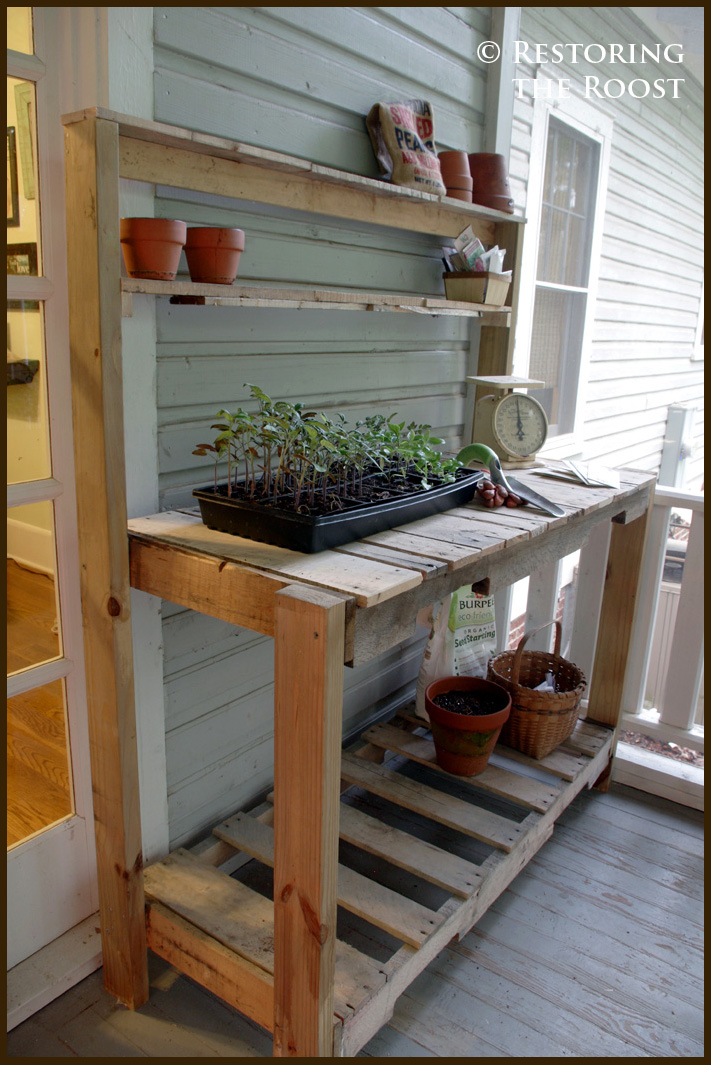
539, 721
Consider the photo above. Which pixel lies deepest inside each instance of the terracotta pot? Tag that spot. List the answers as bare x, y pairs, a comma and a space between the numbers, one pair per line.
152, 246
213, 254
491, 181
464, 742
454, 166
460, 194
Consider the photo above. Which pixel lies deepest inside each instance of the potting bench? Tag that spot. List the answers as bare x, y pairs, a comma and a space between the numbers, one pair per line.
283, 964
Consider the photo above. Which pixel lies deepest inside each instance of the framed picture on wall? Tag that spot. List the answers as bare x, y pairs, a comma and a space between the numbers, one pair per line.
13, 202
22, 260
26, 136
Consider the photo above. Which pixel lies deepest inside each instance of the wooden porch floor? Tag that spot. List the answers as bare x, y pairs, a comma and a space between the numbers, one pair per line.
596, 949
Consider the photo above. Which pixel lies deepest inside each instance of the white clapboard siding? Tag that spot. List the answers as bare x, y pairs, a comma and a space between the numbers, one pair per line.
297, 80
651, 265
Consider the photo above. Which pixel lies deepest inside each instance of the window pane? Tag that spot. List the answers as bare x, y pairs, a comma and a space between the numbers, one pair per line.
19, 30
33, 633
39, 789
28, 457
23, 251
563, 161
558, 318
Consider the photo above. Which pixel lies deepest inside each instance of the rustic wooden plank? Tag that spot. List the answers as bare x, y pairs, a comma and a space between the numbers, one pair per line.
403, 540
559, 763
520, 789
416, 856
457, 530
308, 722
245, 986
92, 207
243, 921
624, 564
315, 191
427, 567
367, 581
447, 810
394, 913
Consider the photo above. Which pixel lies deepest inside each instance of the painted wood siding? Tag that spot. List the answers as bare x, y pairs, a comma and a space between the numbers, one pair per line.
299, 80
651, 269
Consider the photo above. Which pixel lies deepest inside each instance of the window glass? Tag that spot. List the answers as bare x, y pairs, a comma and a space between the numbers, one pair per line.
19, 30
39, 789
28, 455
23, 246
556, 340
33, 632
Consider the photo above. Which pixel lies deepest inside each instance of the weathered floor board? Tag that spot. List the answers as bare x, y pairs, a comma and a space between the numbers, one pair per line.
567, 959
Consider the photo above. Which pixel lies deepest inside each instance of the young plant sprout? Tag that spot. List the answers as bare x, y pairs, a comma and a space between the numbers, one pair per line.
306, 459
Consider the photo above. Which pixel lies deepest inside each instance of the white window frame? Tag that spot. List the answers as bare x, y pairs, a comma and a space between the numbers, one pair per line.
584, 117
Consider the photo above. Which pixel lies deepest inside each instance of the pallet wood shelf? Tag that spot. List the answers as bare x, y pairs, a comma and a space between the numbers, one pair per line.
297, 298
204, 921
227, 915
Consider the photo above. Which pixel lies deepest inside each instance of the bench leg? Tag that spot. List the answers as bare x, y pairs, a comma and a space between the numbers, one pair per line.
308, 704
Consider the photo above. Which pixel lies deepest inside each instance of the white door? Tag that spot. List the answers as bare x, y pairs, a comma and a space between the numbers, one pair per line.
51, 868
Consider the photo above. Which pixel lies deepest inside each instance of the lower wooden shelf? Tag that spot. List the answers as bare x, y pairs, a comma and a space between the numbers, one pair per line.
423, 856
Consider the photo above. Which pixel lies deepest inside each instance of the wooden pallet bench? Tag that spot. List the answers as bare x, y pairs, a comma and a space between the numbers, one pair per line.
276, 949
202, 919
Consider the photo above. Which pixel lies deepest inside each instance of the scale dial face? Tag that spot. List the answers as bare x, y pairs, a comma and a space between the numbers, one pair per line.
519, 424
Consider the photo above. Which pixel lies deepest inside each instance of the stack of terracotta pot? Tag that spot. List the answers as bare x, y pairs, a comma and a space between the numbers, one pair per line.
480, 178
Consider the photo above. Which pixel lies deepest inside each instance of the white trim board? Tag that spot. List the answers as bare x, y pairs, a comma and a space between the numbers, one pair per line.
46, 975
658, 775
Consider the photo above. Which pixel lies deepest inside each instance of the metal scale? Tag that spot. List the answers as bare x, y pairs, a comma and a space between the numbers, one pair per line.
513, 424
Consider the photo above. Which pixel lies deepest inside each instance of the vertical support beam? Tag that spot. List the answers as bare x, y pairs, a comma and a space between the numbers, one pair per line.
686, 660
97, 400
624, 565
309, 640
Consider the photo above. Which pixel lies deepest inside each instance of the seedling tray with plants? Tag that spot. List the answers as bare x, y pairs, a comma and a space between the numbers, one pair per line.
302, 479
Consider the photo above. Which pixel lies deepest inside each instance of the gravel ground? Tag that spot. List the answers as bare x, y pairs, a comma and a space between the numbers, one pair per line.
670, 750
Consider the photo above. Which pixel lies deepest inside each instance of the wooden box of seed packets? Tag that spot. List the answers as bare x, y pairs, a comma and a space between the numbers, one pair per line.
477, 286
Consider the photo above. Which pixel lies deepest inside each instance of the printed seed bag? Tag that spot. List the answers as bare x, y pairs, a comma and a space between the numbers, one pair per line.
461, 642
402, 136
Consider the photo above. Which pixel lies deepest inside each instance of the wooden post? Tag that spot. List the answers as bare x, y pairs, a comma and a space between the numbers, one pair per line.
624, 566
93, 250
308, 701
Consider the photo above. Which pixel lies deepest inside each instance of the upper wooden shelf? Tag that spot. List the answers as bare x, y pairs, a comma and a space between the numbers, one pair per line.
256, 295
170, 155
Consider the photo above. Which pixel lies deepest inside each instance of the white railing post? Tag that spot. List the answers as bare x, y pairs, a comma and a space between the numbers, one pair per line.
591, 581
683, 683
648, 599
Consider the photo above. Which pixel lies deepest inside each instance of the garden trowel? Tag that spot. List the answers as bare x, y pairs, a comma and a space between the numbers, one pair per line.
480, 454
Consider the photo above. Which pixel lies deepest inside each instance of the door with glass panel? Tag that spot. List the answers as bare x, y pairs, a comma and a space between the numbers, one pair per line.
50, 837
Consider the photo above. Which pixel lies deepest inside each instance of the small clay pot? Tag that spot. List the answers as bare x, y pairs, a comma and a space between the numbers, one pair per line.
464, 742
213, 254
455, 169
152, 246
491, 181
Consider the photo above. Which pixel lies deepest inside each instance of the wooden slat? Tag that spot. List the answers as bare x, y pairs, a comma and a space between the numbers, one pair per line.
367, 581
399, 916
242, 921
417, 856
308, 721
402, 539
246, 987
427, 567
559, 762
519, 789
447, 810
92, 208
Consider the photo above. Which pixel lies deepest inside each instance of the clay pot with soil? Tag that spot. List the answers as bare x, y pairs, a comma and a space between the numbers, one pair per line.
213, 254
152, 246
466, 716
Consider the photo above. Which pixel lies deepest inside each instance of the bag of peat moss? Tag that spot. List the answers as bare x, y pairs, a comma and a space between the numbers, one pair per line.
461, 643
402, 136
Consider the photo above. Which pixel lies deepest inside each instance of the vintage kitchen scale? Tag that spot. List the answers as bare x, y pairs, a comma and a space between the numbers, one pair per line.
513, 424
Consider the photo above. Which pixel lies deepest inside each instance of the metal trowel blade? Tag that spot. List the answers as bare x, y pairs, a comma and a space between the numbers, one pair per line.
536, 500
